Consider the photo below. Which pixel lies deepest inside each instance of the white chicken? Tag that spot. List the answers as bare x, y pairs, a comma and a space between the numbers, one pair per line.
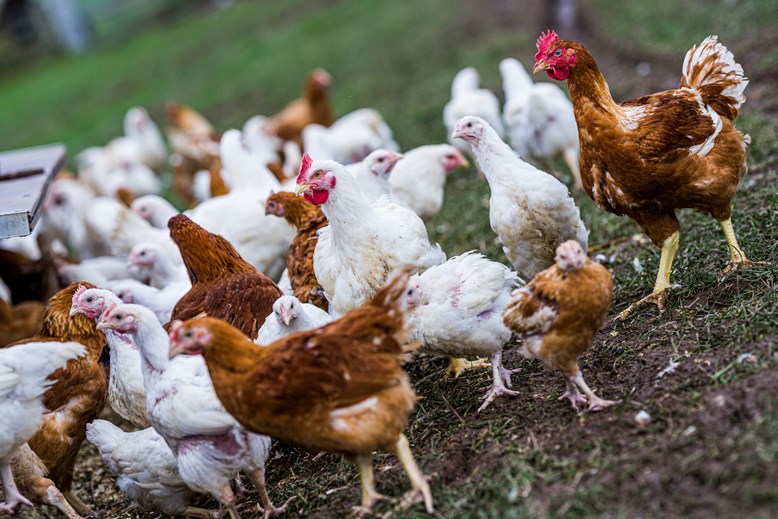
372, 173
351, 138
154, 262
417, 180
160, 301
531, 212
455, 310
262, 145
97, 271
290, 315
126, 393
24, 371
363, 243
154, 209
539, 120
141, 128
209, 444
468, 98
146, 469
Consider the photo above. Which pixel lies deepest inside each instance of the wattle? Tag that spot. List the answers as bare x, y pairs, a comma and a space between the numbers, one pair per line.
316, 196
560, 74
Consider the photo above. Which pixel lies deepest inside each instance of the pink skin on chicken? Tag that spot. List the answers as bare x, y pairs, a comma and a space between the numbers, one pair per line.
86, 303
384, 161
555, 59
570, 256
314, 185
271, 207
453, 160
468, 128
118, 320
142, 257
187, 340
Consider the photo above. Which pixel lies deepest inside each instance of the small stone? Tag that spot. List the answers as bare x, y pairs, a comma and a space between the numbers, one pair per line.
642, 418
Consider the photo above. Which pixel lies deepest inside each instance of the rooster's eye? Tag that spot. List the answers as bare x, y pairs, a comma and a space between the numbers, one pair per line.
558, 52
317, 174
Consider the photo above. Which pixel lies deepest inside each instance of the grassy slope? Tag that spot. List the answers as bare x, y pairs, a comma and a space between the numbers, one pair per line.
530, 456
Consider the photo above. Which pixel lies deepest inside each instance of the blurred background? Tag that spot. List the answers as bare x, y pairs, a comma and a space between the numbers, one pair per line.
69, 69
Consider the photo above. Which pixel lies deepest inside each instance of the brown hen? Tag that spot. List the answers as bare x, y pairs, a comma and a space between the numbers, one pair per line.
338, 388
224, 285
307, 219
650, 156
313, 107
558, 313
76, 398
19, 321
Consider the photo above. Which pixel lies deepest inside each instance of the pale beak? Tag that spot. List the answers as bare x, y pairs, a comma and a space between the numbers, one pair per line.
540, 65
286, 315
175, 349
457, 133
73, 310
463, 162
302, 188
104, 325
395, 156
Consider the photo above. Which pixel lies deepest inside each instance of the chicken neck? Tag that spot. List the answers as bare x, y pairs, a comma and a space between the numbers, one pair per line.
588, 89
153, 343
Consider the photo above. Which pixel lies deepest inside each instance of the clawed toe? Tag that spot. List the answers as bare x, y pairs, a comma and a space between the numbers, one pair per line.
734, 265
658, 298
600, 404
272, 511
493, 393
575, 399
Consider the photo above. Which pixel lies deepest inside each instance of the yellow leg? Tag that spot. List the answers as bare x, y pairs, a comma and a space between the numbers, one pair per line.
738, 256
369, 494
658, 296
457, 366
420, 486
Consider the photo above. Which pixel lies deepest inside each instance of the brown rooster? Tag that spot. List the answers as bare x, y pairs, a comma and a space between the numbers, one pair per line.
224, 285
338, 388
76, 397
558, 313
307, 219
670, 150
313, 108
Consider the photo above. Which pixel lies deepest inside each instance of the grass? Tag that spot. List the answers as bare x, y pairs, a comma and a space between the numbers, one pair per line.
530, 456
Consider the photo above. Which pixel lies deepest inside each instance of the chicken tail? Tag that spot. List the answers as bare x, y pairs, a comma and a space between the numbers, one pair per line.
711, 69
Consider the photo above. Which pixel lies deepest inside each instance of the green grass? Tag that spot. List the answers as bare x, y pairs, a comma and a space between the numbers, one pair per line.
531, 457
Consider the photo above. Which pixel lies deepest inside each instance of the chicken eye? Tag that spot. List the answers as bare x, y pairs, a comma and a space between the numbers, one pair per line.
381, 160
143, 253
118, 317
317, 174
469, 125
90, 299
188, 334
558, 52
410, 292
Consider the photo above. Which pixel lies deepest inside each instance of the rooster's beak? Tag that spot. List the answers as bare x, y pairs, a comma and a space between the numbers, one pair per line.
302, 188
540, 65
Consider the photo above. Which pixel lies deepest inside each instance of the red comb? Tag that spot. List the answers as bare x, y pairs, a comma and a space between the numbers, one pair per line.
108, 311
80, 290
305, 165
544, 42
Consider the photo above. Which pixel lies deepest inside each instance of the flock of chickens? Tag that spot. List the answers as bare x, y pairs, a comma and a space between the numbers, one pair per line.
208, 358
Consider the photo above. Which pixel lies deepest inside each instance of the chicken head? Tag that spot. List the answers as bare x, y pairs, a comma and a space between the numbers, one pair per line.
553, 57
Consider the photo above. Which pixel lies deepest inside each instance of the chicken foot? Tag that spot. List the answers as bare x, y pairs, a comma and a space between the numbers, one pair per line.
202, 513
370, 495
420, 486
738, 256
12, 495
498, 381
595, 403
573, 395
457, 366
258, 478
659, 296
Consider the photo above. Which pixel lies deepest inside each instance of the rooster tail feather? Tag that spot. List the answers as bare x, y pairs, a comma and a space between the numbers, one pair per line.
712, 70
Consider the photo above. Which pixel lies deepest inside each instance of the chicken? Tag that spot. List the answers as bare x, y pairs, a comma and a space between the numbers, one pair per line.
160, 301
539, 120
262, 144
224, 285
558, 313
454, 309
289, 316
154, 262
338, 388
146, 469
29, 279
363, 243
98, 270
76, 397
24, 377
351, 138
210, 446
19, 321
372, 173
417, 180
142, 129
650, 156
531, 212
126, 393
307, 219
195, 145
313, 108
467, 98
154, 209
